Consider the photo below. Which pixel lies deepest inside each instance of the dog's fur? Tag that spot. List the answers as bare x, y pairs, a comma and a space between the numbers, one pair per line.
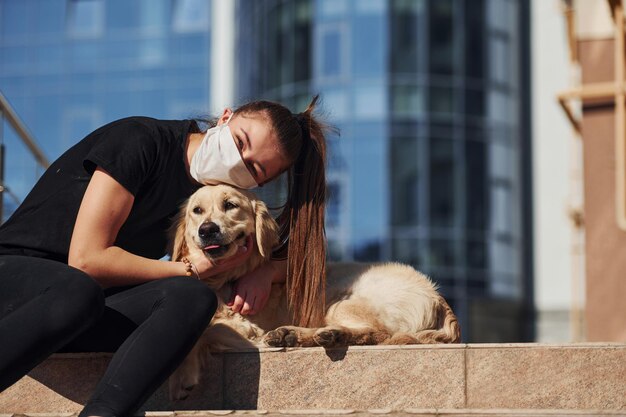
388, 303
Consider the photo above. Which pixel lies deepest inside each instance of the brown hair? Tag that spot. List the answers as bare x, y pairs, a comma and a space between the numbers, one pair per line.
302, 142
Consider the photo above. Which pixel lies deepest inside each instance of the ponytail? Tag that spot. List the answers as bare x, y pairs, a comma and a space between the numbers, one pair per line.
306, 260
302, 140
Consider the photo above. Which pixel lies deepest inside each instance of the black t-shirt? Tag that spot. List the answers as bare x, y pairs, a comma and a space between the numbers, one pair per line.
144, 155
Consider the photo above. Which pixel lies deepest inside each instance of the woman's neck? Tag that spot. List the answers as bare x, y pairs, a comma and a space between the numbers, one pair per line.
193, 143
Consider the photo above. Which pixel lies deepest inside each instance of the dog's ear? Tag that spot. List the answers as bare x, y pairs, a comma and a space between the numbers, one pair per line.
179, 247
266, 228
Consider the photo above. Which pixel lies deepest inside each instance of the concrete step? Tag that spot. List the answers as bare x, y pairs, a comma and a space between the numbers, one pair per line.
482, 377
360, 413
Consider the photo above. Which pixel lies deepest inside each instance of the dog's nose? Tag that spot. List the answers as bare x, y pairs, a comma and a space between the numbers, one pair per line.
208, 230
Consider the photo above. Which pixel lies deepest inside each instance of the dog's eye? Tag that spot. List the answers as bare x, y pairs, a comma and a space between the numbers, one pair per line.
228, 205
198, 210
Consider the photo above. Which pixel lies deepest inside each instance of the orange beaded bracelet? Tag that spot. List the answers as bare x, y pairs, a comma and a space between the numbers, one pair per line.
190, 268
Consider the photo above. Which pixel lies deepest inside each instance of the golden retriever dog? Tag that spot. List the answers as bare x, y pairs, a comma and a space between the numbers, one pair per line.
384, 303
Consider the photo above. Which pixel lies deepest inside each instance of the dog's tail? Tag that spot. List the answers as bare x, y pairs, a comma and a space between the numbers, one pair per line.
447, 331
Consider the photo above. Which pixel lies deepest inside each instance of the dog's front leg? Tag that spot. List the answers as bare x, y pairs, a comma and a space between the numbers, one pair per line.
187, 376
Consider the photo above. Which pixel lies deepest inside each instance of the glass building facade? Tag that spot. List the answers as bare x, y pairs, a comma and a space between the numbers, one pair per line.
432, 166
70, 66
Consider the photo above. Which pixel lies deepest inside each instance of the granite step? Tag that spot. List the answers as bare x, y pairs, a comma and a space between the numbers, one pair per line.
360, 413
463, 379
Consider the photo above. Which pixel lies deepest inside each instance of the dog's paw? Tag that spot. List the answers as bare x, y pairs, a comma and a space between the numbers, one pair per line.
182, 382
281, 337
330, 337
181, 393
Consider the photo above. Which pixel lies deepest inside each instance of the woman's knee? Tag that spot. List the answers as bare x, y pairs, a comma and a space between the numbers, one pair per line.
82, 297
196, 297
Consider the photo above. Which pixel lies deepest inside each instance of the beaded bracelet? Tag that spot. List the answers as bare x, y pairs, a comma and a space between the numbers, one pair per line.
190, 268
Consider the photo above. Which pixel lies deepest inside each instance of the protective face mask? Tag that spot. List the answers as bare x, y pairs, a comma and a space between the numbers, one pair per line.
217, 160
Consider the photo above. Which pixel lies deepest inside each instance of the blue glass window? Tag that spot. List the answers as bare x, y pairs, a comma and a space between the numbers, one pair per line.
441, 100
370, 101
370, 6
474, 39
442, 183
337, 100
14, 18
331, 52
404, 30
499, 107
85, 18
14, 57
441, 30
404, 181
369, 183
153, 52
408, 100
499, 64
123, 15
153, 14
191, 16
369, 43
411, 251
475, 183
48, 17
333, 8
443, 253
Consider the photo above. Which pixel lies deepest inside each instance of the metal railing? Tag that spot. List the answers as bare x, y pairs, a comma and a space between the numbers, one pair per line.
7, 111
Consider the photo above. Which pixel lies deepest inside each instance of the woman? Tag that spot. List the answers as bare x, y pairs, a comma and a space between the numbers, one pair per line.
79, 259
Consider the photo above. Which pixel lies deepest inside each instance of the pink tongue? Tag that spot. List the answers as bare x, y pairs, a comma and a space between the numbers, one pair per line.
212, 247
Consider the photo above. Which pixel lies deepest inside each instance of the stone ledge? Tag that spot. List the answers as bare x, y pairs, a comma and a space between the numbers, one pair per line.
360, 413
394, 413
590, 376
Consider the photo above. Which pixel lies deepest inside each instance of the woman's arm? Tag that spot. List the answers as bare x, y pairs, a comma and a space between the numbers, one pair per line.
251, 292
104, 209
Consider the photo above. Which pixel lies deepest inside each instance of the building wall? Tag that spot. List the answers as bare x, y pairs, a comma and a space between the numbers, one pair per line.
605, 242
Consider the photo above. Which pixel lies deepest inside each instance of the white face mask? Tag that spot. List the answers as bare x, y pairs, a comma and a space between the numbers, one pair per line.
217, 160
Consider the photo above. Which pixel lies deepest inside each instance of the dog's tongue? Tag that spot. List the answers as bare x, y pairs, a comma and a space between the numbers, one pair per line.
211, 247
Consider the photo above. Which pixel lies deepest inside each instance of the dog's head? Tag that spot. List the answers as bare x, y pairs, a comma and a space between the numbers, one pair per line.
217, 220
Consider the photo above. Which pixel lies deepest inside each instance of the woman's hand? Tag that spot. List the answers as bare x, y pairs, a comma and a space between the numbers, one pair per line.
207, 268
251, 292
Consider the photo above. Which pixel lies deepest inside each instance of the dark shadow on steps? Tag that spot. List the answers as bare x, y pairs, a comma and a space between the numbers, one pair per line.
241, 375
336, 354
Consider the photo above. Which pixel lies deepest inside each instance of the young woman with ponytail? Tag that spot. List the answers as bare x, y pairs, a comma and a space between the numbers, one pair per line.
80, 266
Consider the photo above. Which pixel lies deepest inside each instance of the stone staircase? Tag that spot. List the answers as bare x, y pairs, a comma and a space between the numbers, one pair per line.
426, 380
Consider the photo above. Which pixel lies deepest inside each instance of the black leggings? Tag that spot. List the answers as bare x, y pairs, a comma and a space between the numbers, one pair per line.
47, 306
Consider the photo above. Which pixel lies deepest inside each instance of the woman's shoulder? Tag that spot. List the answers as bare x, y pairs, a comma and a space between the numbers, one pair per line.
148, 122
146, 128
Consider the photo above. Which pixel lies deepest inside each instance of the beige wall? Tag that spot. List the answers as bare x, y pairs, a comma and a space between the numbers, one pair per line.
605, 242
593, 19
